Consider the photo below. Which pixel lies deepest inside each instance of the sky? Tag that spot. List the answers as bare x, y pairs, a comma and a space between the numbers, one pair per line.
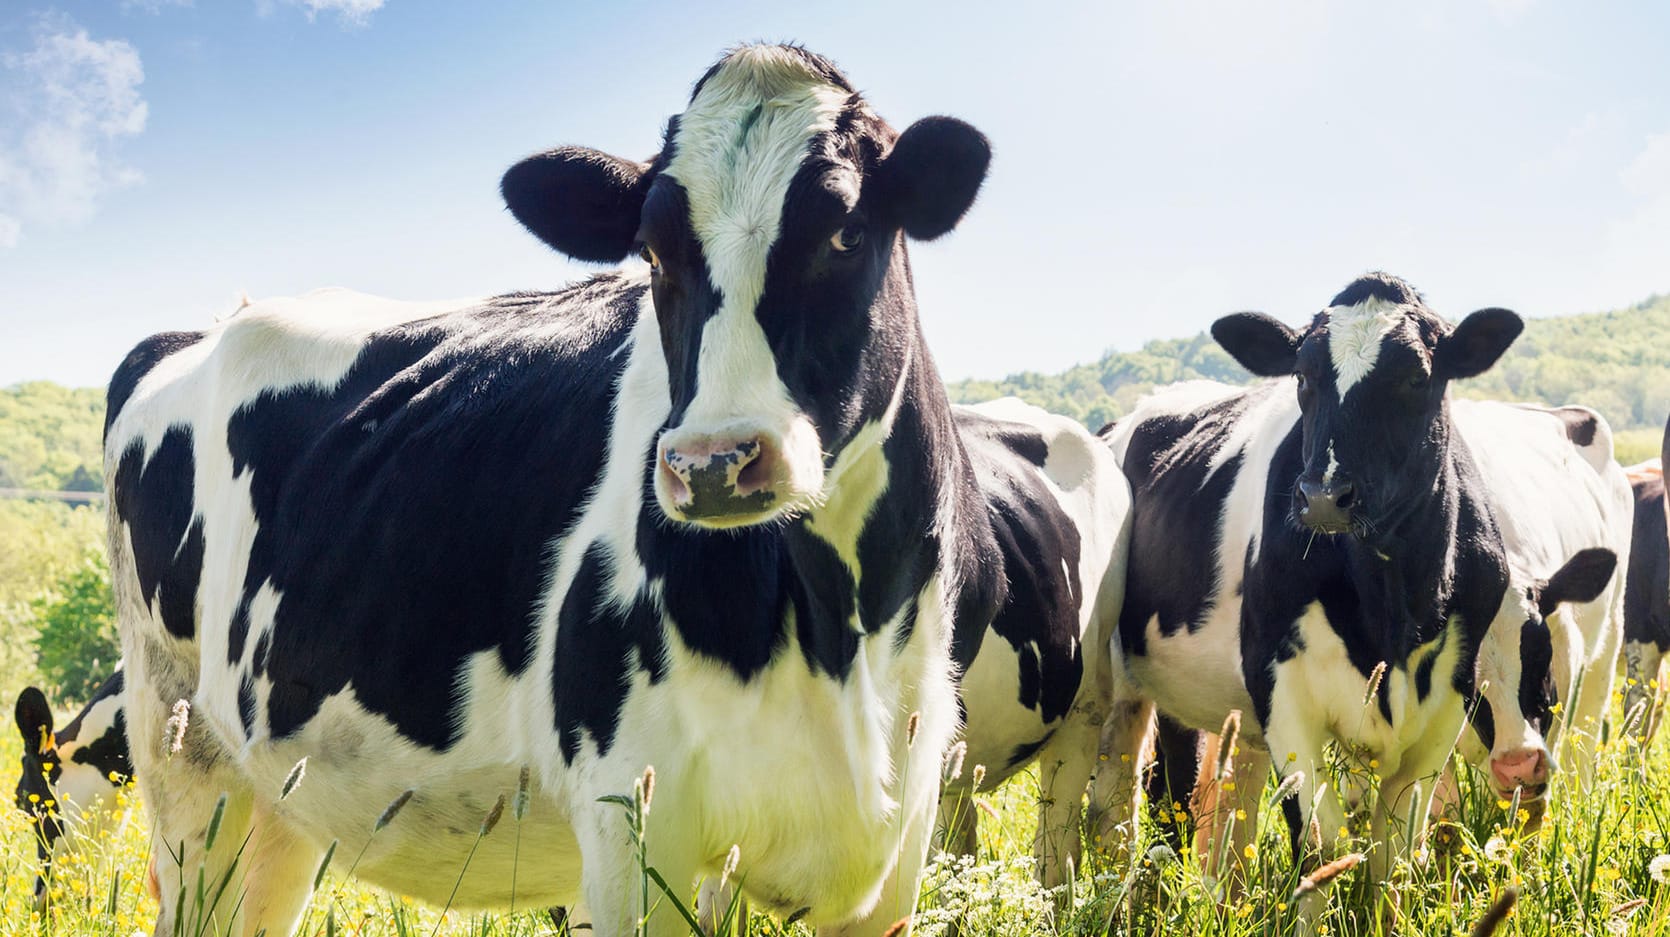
1157, 165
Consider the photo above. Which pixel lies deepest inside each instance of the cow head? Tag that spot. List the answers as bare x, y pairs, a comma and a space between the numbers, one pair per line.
1373, 373
773, 222
37, 784
1515, 710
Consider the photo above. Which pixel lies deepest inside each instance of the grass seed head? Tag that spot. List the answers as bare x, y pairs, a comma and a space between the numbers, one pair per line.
731, 860
914, 723
493, 816
293, 779
393, 809
1497, 913
520, 808
1326, 874
954, 760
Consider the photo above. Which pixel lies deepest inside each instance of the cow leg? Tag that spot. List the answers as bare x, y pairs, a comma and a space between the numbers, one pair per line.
1598, 674
612, 880
1064, 768
959, 819
279, 877
899, 891
1314, 814
1642, 660
181, 789
1230, 806
1126, 743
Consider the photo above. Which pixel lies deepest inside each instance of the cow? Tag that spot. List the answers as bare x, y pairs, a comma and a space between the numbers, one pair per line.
1647, 596
1556, 491
1319, 553
72, 778
711, 514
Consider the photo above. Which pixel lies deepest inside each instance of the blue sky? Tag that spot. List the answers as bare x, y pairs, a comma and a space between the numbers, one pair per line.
1157, 164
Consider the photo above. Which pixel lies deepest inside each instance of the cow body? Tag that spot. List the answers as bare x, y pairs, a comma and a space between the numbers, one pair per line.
712, 516
1647, 594
1060, 507
72, 778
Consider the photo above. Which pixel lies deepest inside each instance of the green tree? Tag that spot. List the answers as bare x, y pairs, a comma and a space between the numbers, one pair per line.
76, 642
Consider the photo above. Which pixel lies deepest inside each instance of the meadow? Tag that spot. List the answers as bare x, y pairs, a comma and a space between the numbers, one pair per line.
1596, 866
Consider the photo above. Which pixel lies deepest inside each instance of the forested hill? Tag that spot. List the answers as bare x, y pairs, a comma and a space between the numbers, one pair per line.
1617, 362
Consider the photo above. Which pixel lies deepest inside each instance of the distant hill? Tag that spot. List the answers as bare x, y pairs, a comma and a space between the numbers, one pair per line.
51, 437
1616, 362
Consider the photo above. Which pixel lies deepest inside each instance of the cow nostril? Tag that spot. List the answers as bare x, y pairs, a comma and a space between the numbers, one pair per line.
1345, 496
756, 472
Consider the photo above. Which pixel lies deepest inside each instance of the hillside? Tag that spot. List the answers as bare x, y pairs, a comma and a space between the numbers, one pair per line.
1617, 362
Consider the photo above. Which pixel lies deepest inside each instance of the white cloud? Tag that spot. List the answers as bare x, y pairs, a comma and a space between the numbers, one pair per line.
152, 6
75, 99
350, 12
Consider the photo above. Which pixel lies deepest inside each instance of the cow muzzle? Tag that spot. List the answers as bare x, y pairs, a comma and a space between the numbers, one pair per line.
1325, 506
1524, 768
726, 479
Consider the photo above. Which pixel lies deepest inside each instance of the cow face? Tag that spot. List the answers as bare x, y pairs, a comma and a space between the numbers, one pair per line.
1373, 373
773, 224
1517, 693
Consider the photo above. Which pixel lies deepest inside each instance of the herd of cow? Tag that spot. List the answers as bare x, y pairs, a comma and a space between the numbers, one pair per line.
714, 513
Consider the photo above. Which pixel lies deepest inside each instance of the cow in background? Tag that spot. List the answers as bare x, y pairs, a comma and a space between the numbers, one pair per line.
1320, 553
72, 777
1647, 597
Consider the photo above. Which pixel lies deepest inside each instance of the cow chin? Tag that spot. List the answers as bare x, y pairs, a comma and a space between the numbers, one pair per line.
738, 474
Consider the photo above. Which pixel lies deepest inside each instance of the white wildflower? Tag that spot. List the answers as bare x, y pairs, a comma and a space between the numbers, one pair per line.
1496, 849
1162, 855
178, 720
1659, 869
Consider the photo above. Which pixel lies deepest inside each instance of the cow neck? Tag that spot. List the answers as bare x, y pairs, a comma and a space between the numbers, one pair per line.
1406, 575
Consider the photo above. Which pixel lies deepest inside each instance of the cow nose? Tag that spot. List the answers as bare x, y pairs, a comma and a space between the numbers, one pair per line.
1526, 768
717, 476
1325, 506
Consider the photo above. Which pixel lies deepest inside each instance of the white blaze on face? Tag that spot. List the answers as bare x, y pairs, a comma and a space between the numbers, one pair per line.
739, 145
1355, 334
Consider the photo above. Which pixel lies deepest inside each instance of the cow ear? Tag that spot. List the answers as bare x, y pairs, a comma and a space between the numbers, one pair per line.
582, 202
1476, 343
929, 179
34, 720
1262, 345
1582, 579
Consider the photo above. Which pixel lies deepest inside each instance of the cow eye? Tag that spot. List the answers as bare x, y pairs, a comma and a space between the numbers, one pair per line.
1303, 384
1418, 380
649, 257
846, 240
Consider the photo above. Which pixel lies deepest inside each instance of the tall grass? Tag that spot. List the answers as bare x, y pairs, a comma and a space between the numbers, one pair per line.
1589, 869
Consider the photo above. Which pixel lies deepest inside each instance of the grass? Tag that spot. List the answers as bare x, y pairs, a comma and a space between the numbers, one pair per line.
1588, 870
1637, 445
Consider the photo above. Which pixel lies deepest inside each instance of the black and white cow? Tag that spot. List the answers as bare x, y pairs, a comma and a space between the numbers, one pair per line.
1290, 538
712, 514
71, 778
1647, 594
1556, 491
